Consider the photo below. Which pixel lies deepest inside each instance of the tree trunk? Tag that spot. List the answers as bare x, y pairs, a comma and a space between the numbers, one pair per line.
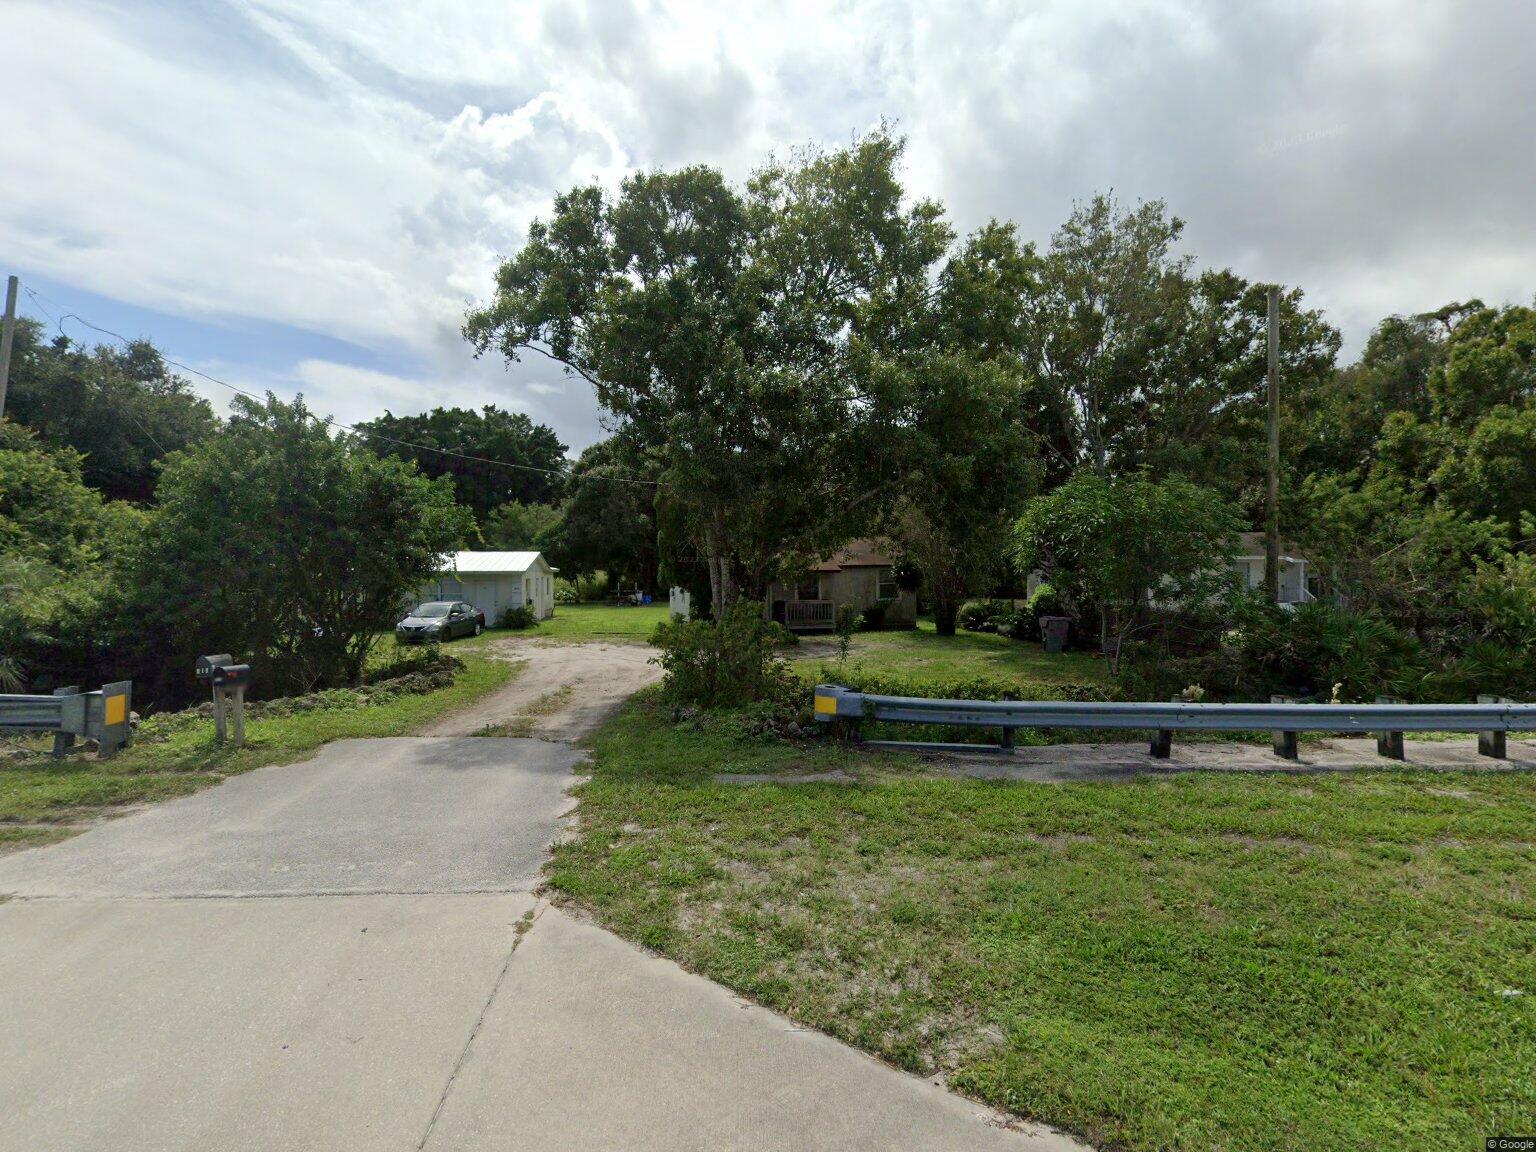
944, 614
722, 583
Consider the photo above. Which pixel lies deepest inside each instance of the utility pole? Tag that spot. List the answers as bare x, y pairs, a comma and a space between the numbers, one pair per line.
7, 333
1272, 493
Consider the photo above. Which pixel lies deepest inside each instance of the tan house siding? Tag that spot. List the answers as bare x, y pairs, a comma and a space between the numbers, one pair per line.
853, 577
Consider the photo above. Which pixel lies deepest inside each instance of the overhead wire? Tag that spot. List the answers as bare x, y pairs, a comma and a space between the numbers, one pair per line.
366, 433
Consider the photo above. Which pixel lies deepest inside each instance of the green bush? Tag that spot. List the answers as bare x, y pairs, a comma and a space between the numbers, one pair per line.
517, 618
1044, 601
874, 616
959, 688
727, 665
986, 615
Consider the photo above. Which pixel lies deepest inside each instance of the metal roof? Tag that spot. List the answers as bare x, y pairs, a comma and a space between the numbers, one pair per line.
490, 563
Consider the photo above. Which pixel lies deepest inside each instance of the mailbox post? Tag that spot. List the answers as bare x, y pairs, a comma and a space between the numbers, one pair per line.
228, 681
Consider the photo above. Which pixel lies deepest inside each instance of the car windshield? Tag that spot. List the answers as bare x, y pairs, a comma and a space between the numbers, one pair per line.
432, 611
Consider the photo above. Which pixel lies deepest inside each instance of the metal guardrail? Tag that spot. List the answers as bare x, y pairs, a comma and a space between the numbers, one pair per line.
1491, 718
70, 713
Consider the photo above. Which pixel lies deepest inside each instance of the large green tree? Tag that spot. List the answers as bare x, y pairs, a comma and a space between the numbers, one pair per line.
963, 415
122, 409
731, 330
288, 546
608, 520
60, 544
492, 455
1150, 364
1113, 546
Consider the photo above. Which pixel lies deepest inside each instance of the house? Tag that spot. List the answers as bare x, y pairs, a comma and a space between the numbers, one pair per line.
496, 581
861, 574
1295, 581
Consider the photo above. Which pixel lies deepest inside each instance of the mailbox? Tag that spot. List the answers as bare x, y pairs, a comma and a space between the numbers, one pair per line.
228, 681
232, 676
207, 665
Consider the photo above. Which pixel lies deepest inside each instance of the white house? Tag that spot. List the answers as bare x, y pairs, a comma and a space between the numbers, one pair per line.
496, 581
1295, 582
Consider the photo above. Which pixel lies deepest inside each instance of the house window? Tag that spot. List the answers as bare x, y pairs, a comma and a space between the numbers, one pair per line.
886, 588
808, 589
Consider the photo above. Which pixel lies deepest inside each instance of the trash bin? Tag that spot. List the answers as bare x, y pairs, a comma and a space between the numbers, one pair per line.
1053, 631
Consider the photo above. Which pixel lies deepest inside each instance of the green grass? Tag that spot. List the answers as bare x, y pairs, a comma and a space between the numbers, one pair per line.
1191, 962
598, 622
921, 653
176, 754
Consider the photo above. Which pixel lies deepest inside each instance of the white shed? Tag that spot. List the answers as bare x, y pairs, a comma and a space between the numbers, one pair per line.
496, 581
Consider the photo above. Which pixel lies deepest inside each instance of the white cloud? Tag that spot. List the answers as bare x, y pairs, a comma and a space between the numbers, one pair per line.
355, 169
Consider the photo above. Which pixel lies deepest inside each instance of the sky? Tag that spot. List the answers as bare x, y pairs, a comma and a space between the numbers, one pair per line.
306, 195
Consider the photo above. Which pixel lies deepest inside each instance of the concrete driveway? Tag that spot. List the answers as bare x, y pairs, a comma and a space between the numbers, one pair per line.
347, 954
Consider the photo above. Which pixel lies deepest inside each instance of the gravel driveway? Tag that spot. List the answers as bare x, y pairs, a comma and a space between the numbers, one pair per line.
563, 692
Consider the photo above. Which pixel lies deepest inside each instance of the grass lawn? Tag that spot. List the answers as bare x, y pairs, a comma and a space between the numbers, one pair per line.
921, 653
175, 754
1191, 962
599, 622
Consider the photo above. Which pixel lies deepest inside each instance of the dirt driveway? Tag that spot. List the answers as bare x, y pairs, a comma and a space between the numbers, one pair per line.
563, 692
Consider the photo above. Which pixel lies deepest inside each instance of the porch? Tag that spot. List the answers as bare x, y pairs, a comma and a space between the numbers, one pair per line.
810, 615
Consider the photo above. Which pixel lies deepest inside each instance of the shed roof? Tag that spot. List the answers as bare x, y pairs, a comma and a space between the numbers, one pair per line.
855, 554
490, 563
1250, 545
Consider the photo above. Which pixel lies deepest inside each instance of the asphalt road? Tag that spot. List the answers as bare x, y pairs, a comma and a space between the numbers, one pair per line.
347, 954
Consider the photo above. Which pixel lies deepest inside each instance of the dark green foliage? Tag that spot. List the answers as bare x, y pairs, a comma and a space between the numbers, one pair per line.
985, 615
122, 409
726, 665
280, 543
517, 618
873, 617
731, 330
519, 527
492, 434
1107, 544
1044, 601
608, 520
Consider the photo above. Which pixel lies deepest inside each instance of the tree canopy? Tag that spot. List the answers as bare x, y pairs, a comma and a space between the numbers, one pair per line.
292, 546
731, 330
526, 460
121, 409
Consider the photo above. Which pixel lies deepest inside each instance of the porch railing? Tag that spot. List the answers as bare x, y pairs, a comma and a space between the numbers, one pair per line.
810, 614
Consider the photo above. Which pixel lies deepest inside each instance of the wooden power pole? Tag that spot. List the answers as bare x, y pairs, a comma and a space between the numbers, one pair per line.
1272, 489
7, 334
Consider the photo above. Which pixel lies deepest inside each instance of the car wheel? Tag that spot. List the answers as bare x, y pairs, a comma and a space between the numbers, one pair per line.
479, 628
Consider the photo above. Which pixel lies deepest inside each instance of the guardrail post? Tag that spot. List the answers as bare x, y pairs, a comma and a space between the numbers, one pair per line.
64, 741
113, 717
1283, 742
1390, 744
1492, 742
1162, 739
1007, 744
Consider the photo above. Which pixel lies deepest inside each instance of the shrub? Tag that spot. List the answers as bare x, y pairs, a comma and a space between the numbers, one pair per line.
985, 615
517, 618
566, 592
960, 687
1044, 601
726, 665
874, 616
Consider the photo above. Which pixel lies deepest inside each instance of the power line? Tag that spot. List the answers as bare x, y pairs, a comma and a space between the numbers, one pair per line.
366, 433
